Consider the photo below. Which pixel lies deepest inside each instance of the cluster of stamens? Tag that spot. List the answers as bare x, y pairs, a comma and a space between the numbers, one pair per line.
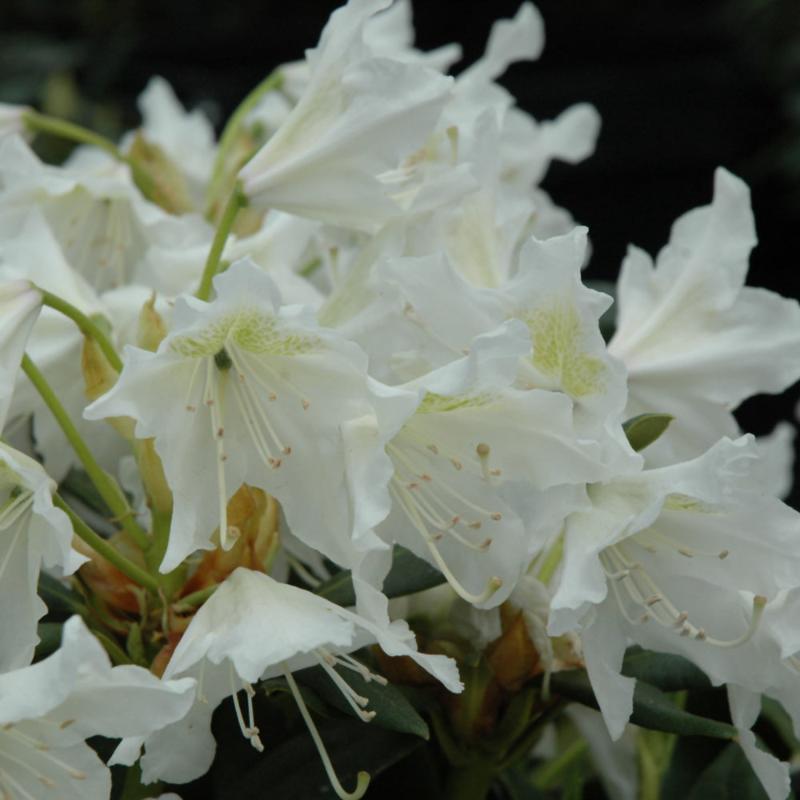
15, 739
633, 586
436, 508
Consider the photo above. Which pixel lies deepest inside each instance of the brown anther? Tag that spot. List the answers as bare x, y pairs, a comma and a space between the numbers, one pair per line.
482, 450
455, 520
486, 544
475, 525
645, 618
723, 554
456, 463
434, 449
191, 408
496, 516
274, 463
653, 599
220, 432
426, 477
413, 486
700, 635
495, 472
272, 396
684, 552
306, 404
287, 451
682, 617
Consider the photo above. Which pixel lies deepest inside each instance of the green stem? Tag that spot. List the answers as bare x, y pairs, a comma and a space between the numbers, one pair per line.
470, 782
118, 656
233, 126
42, 123
106, 549
197, 598
236, 201
85, 324
104, 483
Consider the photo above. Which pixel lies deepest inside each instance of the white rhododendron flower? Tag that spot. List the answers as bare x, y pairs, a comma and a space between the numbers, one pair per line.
318, 400
680, 559
250, 390
358, 116
694, 339
48, 709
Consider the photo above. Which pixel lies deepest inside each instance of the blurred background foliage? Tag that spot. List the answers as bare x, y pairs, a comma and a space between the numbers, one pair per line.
682, 86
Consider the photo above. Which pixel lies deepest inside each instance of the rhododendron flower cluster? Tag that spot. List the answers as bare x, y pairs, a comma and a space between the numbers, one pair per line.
256, 386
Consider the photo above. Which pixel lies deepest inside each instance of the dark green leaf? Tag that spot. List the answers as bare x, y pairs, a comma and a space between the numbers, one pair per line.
667, 672
780, 721
60, 600
651, 708
78, 484
49, 639
392, 709
408, 574
293, 770
645, 429
518, 786
728, 777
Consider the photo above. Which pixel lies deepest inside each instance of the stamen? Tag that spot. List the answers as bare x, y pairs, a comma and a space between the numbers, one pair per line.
412, 513
356, 701
215, 414
645, 593
363, 777
250, 732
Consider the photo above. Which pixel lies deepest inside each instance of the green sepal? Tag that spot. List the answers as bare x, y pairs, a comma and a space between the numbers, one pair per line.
644, 429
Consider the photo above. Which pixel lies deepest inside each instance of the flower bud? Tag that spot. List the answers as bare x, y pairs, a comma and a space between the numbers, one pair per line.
99, 376
157, 177
152, 328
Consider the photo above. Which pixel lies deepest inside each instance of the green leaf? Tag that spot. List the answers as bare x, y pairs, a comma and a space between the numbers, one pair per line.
392, 710
781, 721
645, 429
518, 785
408, 574
667, 672
49, 639
293, 770
78, 484
60, 600
651, 708
728, 777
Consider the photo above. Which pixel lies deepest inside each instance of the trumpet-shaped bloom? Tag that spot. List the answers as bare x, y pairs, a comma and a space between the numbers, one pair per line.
252, 628
358, 117
432, 314
484, 472
695, 340
32, 531
680, 559
49, 708
244, 389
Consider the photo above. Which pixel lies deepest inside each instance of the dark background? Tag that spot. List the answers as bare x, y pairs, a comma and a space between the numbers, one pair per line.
682, 86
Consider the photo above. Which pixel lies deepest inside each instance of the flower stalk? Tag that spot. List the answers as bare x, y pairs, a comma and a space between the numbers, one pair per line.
86, 325
236, 201
106, 486
105, 549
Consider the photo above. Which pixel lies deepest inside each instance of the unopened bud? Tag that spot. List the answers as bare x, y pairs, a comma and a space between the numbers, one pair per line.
152, 329
99, 377
157, 177
151, 470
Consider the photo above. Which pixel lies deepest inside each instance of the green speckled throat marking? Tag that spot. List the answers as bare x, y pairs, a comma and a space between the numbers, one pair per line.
556, 334
434, 403
250, 329
683, 502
